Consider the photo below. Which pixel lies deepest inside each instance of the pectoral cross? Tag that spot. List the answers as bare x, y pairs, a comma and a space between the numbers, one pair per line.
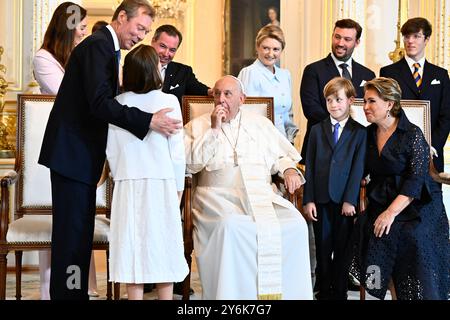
235, 158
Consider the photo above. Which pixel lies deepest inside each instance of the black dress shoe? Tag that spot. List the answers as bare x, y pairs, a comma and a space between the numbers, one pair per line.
178, 289
351, 286
148, 287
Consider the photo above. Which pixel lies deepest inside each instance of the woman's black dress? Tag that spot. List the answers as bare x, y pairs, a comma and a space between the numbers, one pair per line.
416, 252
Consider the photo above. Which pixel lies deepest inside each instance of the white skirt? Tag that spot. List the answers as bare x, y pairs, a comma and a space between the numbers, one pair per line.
146, 242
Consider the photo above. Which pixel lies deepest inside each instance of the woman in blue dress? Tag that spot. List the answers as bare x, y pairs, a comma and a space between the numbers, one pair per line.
264, 78
407, 230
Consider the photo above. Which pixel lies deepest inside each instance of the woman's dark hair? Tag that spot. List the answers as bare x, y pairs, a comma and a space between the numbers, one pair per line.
60, 34
98, 25
140, 70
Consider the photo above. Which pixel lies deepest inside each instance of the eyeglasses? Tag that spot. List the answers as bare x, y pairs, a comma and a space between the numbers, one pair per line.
414, 36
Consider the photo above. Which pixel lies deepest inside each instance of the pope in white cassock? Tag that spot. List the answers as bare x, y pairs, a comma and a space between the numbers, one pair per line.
250, 243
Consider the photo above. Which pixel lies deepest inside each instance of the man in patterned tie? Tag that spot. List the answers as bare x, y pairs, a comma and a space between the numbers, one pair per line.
422, 80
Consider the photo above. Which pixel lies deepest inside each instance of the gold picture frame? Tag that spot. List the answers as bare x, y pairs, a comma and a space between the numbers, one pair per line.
242, 21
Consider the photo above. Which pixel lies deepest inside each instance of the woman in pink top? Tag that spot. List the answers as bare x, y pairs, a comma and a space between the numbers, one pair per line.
66, 29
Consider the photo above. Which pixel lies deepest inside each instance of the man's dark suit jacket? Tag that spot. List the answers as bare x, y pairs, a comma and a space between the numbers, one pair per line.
315, 77
180, 80
436, 89
76, 134
334, 173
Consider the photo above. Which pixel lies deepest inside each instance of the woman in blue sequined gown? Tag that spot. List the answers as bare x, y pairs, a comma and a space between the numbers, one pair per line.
407, 231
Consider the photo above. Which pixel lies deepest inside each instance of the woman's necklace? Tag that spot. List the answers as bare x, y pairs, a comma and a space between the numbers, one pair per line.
235, 156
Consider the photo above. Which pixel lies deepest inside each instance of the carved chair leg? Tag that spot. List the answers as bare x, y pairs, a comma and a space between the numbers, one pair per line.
3, 261
116, 291
362, 293
18, 254
108, 283
187, 280
391, 288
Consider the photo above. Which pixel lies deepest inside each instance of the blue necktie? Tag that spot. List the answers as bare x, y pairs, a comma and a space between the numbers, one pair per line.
336, 133
118, 59
118, 70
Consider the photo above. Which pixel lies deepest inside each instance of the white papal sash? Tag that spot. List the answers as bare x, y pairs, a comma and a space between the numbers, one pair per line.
268, 228
254, 179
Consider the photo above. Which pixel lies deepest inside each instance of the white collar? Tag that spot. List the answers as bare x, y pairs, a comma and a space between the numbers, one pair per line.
411, 61
235, 121
342, 123
266, 71
338, 62
114, 36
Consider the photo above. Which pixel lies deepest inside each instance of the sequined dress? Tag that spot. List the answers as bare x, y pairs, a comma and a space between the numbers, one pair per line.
416, 252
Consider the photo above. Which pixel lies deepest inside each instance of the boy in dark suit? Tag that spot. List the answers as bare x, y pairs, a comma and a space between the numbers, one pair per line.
422, 80
334, 169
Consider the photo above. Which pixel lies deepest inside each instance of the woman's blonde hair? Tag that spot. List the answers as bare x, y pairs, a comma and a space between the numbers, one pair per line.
389, 90
270, 31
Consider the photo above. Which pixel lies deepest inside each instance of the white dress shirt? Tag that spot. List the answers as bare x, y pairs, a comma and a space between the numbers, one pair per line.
341, 125
339, 62
411, 63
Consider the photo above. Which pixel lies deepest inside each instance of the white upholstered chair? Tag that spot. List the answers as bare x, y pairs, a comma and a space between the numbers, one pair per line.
29, 225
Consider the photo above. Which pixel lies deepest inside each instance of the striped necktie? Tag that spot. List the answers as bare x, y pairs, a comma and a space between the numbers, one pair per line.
416, 75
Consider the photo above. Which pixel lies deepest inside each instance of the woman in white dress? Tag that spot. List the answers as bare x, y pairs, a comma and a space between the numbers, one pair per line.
265, 79
146, 244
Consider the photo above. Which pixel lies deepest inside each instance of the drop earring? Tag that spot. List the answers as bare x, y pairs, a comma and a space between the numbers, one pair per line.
388, 115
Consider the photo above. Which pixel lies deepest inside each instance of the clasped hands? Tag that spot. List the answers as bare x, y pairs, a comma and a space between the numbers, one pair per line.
163, 124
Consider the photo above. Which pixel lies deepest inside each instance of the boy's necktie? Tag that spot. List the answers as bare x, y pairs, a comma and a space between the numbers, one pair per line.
336, 133
416, 75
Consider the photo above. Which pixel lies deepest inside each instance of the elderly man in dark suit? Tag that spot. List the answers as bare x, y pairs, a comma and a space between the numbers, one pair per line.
75, 140
346, 37
178, 78
422, 80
